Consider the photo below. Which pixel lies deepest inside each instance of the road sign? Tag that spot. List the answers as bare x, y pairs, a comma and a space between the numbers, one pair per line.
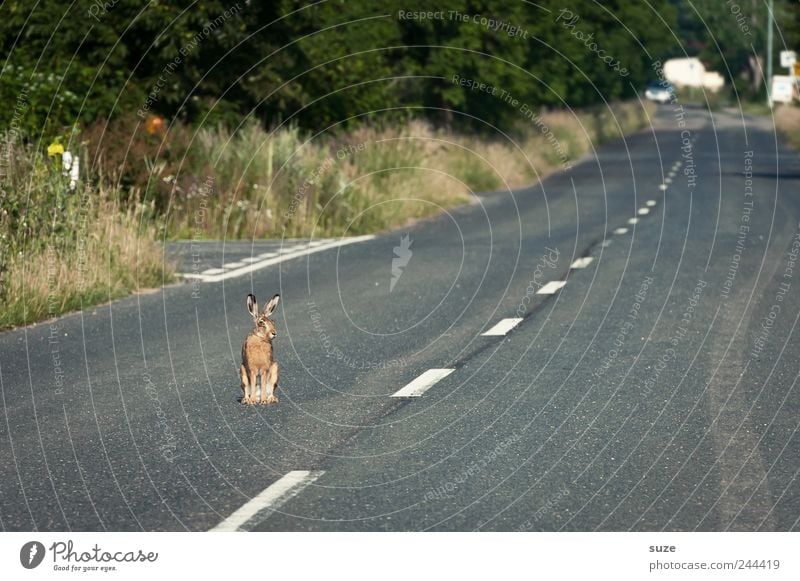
782, 88
788, 58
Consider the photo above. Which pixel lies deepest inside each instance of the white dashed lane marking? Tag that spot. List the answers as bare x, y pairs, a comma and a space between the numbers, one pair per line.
651, 203
236, 269
633, 220
620, 231
270, 498
582, 262
643, 211
423, 383
662, 187
503, 327
551, 287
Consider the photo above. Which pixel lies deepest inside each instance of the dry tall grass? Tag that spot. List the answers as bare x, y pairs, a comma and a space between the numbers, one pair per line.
787, 121
258, 184
65, 250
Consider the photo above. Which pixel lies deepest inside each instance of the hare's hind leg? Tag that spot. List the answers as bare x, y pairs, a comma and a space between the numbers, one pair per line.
273, 376
263, 381
245, 383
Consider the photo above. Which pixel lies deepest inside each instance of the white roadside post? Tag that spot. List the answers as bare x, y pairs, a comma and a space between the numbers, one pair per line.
782, 87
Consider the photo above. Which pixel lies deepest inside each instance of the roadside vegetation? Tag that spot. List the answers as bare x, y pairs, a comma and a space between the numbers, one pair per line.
216, 183
787, 121
66, 249
226, 119
785, 117
62, 250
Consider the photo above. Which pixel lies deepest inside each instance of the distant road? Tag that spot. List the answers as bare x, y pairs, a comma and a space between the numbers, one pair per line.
639, 373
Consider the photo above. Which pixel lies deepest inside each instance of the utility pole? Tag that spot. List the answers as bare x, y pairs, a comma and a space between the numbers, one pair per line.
769, 52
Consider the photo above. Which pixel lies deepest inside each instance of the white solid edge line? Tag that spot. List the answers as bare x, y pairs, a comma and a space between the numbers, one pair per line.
278, 259
551, 287
423, 383
582, 262
620, 231
503, 327
651, 203
272, 497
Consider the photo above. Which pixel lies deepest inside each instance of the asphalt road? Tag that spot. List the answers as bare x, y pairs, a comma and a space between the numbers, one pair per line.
655, 390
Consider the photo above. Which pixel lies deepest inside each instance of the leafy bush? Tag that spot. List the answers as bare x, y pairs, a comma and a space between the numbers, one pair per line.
37, 103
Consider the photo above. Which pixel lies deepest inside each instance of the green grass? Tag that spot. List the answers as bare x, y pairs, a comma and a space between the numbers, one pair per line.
787, 121
755, 108
66, 250
786, 117
63, 251
255, 183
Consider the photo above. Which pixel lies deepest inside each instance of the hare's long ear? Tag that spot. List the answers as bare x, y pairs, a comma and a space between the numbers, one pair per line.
252, 305
270, 306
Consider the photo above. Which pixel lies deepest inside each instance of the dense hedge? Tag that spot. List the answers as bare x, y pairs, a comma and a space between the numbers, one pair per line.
208, 61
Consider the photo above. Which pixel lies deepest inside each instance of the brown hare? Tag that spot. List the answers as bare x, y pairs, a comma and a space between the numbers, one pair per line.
257, 360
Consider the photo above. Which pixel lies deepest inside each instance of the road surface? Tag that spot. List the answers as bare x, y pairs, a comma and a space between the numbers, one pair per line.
640, 375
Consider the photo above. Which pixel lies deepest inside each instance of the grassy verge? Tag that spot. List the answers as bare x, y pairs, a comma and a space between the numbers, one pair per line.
786, 117
755, 108
787, 121
65, 250
253, 183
